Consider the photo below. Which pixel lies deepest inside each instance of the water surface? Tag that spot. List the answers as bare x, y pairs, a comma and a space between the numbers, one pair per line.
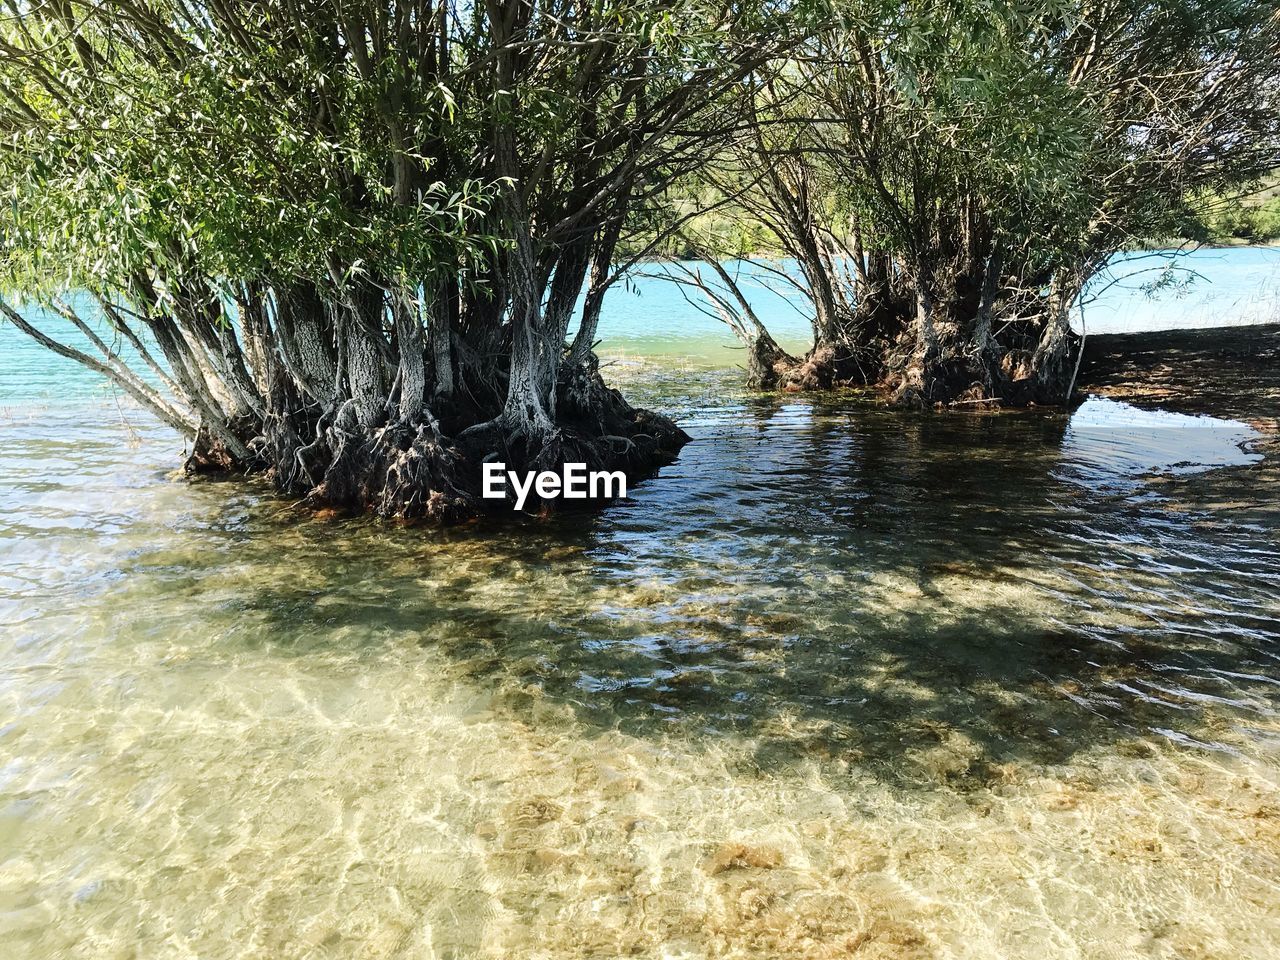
841, 682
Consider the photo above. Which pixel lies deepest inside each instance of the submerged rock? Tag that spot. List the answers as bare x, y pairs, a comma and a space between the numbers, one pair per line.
739, 856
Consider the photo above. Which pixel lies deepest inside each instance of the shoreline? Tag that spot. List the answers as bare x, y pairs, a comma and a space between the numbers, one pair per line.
1220, 371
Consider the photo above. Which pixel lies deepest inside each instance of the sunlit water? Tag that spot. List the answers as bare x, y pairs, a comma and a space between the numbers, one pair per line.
840, 682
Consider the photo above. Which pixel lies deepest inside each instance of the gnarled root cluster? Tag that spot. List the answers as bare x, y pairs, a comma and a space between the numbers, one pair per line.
949, 364
415, 471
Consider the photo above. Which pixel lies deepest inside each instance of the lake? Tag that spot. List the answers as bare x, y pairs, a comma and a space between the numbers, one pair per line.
840, 682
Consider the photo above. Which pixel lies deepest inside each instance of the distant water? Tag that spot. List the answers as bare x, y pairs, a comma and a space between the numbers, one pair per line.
650, 317
1204, 288
1209, 287
841, 682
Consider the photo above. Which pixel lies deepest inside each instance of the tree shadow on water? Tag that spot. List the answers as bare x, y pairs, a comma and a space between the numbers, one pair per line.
924, 598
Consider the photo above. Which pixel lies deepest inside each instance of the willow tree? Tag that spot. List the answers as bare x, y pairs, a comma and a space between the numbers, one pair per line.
344, 244
949, 174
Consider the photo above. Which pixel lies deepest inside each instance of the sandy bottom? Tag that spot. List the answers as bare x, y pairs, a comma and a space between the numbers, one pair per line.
187, 804
228, 734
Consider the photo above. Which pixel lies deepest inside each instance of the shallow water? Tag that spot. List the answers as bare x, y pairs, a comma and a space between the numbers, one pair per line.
840, 682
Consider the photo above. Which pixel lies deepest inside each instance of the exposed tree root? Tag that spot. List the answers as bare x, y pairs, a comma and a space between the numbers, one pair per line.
409, 471
949, 375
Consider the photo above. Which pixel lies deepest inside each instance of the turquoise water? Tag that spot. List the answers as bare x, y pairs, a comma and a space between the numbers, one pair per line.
650, 317
1208, 287
840, 682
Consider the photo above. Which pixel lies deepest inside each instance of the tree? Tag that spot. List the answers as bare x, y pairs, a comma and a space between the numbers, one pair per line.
347, 242
949, 174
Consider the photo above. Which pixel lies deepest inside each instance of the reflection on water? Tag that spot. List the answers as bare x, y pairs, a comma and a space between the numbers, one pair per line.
1109, 442
839, 683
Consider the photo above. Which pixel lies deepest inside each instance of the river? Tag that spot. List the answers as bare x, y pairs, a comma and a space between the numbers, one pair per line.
841, 682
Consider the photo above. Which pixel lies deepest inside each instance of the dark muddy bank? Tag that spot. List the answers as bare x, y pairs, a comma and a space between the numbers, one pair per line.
1223, 371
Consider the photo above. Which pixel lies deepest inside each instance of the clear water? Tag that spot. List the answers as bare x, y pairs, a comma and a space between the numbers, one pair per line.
841, 682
